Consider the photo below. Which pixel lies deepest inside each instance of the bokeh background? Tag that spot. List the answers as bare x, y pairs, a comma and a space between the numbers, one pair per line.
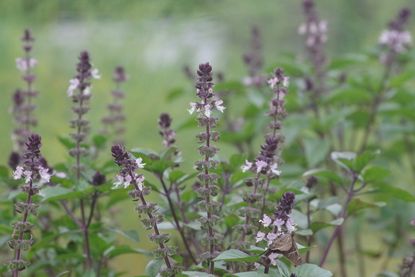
153, 40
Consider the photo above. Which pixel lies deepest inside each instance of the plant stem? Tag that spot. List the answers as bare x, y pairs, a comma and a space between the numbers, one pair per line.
151, 217
338, 229
17, 252
211, 233
176, 220
375, 106
309, 238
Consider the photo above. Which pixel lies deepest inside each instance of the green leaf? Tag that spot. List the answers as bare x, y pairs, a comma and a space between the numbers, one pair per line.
4, 172
115, 251
175, 93
230, 85
317, 226
316, 150
153, 267
129, 234
393, 191
197, 274
356, 205
99, 141
311, 270
324, 174
60, 193
401, 78
375, 174
67, 142
233, 255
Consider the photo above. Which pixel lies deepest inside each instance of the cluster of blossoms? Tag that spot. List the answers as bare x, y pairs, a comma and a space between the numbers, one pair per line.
254, 61
127, 175
278, 226
33, 171
169, 135
23, 106
395, 38
266, 162
314, 29
115, 119
315, 32
208, 101
80, 92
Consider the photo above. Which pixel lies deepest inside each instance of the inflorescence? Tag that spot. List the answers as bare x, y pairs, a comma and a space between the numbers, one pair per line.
23, 107
208, 102
396, 39
34, 173
128, 176
266, 164
114, 121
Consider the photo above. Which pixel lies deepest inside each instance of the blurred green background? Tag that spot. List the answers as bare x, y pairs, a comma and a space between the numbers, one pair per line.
154, 40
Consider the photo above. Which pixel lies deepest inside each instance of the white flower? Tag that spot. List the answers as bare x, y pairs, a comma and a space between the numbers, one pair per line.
260, 164
286, 81
273, 258
260, 236
140, 163
257, 265
275, 170
302, 29
73, 85
60, 174
273, 82
247, 166
44, 174
208, 111
290, 225
140, 182
87, 91
193, 107
271, 237
219, 105
323, 26
122, 181
28, 176
266, 220
17, 174
25, 64
95, 74
278, 223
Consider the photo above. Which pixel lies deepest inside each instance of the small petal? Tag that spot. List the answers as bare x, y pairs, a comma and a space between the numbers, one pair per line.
17, 174
140, 163
247, 166
260, 164
273, 258
44, 174
192, 107
95, 74
266, 221
260, 236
